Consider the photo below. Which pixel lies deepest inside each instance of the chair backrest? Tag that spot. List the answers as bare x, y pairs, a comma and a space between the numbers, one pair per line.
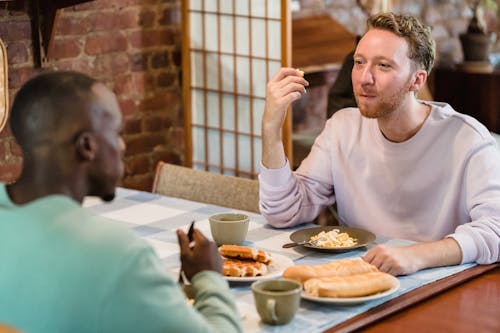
196, 185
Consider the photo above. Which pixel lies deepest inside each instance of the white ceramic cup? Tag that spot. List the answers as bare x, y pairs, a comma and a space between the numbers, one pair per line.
229, 228
276, 300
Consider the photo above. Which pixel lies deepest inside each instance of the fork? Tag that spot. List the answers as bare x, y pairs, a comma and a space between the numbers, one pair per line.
182, 277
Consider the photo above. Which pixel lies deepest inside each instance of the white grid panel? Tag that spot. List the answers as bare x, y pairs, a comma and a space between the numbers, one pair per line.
235, 48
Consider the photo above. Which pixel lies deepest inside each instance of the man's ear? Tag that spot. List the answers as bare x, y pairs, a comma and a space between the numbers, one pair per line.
419, 78
86, 146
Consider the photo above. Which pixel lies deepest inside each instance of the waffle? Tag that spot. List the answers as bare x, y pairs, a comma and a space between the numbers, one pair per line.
245, 253
243, 268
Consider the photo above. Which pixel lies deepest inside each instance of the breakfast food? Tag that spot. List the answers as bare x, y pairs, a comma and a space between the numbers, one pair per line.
245, 253
333, 238
243, 268
351, 285
302, 273
244, 261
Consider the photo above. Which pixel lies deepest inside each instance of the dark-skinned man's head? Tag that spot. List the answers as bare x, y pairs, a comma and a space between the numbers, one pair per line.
69, 124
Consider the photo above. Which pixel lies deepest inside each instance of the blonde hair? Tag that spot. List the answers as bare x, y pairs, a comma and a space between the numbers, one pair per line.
421, 44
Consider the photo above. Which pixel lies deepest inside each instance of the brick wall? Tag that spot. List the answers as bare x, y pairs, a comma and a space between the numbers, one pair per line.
131, 45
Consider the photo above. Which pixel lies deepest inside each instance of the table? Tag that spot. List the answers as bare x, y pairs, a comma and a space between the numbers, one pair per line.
155, 218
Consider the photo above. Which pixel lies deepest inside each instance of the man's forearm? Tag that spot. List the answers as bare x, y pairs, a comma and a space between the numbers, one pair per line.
273, 152
409, 259
445, 252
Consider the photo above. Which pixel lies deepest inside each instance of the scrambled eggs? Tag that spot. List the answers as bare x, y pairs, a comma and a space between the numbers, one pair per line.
333, 238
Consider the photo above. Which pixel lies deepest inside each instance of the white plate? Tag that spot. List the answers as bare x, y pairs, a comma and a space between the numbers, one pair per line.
274, 270
350, 300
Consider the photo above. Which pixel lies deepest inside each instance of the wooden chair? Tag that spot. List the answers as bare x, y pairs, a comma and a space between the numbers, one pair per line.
216, 189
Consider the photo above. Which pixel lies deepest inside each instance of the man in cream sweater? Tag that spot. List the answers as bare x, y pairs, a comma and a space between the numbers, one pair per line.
395, 165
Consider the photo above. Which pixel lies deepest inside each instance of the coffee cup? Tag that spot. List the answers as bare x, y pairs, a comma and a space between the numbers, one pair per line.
276, 300
229, 228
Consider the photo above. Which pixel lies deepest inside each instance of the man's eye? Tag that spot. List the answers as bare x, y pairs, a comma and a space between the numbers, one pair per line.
385, 66
358, 62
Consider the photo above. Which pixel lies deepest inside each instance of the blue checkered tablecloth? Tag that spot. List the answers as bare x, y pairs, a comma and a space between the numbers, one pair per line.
155, 218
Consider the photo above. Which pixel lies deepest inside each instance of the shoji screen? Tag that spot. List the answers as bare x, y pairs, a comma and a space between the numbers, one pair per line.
231, 48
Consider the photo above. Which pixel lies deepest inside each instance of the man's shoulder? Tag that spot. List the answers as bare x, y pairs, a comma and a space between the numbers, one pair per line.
465, 124
80, 230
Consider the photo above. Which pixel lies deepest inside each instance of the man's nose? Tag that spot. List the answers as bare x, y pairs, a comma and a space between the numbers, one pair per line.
367, 75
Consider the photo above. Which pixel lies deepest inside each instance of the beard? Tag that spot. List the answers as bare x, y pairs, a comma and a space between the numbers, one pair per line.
386, 104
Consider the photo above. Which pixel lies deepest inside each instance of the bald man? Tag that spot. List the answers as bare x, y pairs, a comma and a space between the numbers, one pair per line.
65, 270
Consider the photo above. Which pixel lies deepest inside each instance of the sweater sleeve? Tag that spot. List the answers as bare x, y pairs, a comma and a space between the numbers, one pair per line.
479, 239
289, 198
144, 299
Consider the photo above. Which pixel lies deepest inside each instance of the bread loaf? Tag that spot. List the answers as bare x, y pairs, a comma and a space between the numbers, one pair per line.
350, 286
302, 273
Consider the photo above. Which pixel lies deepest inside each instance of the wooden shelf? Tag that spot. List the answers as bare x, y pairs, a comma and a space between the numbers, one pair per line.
318, 42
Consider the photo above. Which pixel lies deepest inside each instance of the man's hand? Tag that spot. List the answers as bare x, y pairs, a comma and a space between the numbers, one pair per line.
285, 87
204, 255
392, 260
409, 259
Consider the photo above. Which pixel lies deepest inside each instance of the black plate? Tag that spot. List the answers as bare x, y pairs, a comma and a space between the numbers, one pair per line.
363, 237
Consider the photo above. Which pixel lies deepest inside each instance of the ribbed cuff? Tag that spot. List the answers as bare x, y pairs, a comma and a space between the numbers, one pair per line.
276, 177
467, 246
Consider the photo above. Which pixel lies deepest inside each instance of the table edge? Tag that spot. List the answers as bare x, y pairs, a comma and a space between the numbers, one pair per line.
410, 298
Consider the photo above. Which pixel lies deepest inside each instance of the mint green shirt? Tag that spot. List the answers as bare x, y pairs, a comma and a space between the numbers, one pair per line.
65, 270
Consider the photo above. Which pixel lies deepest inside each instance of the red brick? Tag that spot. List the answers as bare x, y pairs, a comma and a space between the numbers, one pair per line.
3, 149
15, 150
160, 59
16, 30
17, 52
171, 16
115, 20
143, 82
132, 126
65, 48
156, 123
166, 79
5, 132
177, 57
147, 18
10, 171
110, 65
150, 38
105, 43
175, 137
144, 142
127, 106
123, 85
137, 165
165, 100
160, 153
75, 64
67, 26
18, 76
139, 61
139, 182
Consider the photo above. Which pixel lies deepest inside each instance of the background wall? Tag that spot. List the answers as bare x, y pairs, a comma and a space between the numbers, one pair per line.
134, 47
448, 18
131, 45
